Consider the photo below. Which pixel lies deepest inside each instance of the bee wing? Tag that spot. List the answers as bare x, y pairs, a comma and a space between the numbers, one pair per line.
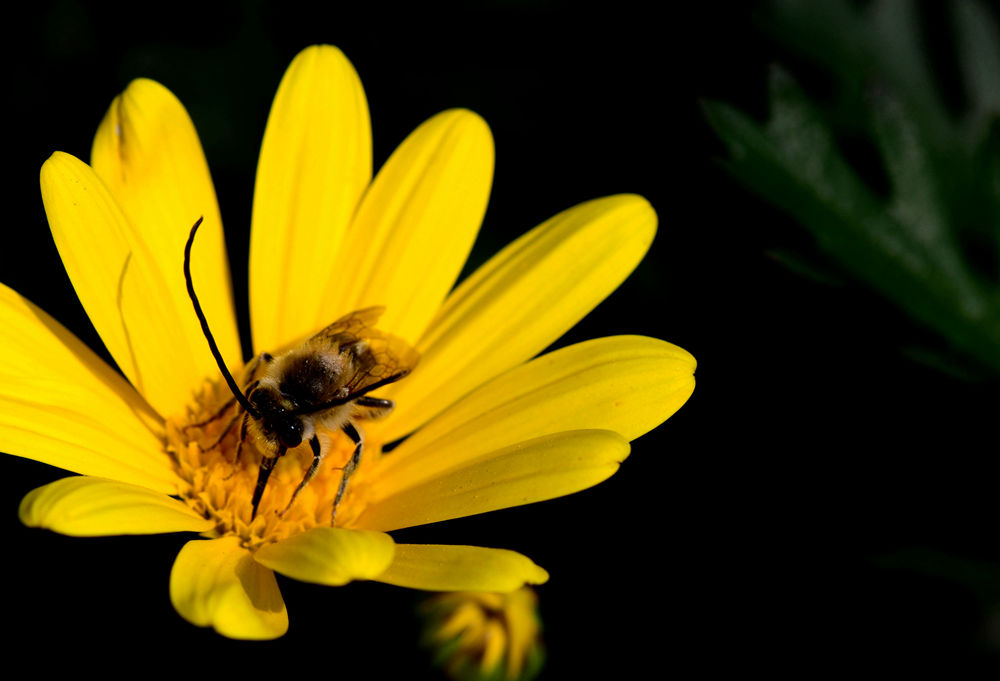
380, 357
356, 325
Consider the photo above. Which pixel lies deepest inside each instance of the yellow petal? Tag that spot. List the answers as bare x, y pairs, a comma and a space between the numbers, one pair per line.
119, 283
496, 643
415, 225
628, 384
217, 583
466, 620
543, 468
61, 405
315, 162
435, 567
91, 507
329, 555
520, 611
147, 153
520, 301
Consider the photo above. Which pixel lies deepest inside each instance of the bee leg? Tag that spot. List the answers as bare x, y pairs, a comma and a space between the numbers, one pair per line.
239, 448
222, 435
372, 407
217, 415
349, 469
243, 438
310, 474
229, 427
266, 466
247, 388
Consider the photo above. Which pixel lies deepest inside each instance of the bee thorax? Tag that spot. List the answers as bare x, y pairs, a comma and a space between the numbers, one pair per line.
311, 378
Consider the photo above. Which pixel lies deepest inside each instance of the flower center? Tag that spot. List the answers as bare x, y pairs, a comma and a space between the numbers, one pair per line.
220, 485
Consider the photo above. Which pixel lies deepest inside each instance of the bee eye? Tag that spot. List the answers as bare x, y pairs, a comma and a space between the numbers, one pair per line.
290, 433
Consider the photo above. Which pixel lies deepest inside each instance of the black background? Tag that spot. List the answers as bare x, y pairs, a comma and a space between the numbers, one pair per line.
782, 521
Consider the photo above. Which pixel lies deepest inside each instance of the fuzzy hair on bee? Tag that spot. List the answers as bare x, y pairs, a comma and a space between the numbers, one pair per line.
321, 385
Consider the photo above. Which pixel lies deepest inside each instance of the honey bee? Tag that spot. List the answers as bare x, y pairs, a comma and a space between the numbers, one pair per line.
323, 384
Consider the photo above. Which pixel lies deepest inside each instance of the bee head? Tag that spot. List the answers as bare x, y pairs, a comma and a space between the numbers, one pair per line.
288, 428
277, 418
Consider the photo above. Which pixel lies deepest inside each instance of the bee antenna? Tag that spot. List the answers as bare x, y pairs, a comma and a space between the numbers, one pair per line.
230, 381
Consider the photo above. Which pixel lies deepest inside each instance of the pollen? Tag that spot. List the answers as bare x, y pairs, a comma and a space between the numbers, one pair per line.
219, 485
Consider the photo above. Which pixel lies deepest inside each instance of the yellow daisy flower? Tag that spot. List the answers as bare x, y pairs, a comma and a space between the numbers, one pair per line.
479, 426
478, 636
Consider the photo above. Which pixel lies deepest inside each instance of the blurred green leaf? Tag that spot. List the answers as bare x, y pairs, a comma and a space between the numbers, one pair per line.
950, 364
904, 247
987, 167
916, 205
898, 48
805, 267
818, 30
854, 43
931, 242
982, 577
978, 44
